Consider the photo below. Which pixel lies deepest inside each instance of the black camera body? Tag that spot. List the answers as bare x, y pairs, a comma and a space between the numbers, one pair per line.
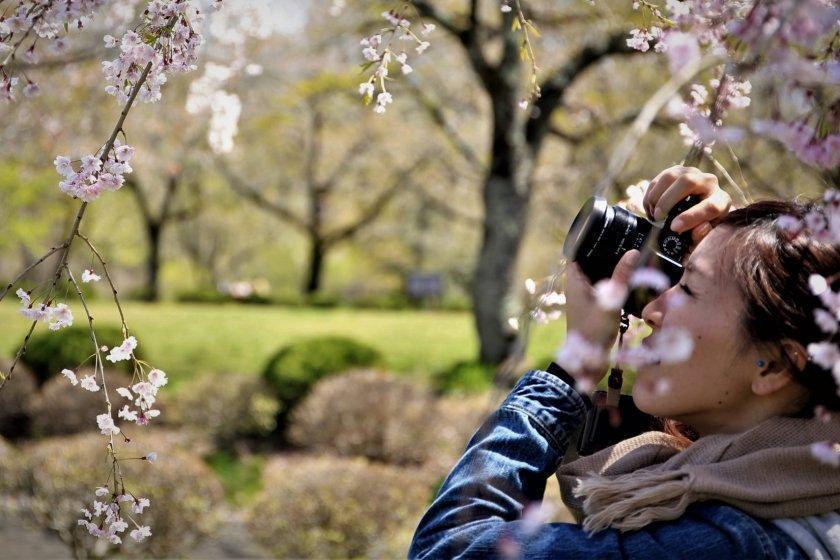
601, 234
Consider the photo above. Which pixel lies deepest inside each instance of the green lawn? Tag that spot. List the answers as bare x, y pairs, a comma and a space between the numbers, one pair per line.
190, 339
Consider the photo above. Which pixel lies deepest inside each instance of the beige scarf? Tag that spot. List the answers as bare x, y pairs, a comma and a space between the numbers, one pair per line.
769, 471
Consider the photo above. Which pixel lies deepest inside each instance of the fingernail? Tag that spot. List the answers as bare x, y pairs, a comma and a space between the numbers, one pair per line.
677, 224
657, 214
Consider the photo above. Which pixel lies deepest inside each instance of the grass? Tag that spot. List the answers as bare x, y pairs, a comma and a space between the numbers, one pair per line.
186, 340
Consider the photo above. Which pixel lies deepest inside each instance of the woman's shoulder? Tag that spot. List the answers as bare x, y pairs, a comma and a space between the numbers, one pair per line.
759, 537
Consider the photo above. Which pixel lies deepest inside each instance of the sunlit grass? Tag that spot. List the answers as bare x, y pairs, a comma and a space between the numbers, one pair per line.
190, 339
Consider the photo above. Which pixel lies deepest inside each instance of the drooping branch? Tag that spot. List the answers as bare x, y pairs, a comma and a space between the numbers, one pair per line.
74, 230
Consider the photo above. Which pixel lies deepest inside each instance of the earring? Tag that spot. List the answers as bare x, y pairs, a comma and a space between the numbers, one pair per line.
760, 363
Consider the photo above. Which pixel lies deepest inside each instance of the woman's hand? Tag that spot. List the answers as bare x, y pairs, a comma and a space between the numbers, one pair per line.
585, 316
676, 183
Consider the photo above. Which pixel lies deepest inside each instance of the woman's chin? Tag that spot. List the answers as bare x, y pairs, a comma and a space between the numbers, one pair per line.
648, 390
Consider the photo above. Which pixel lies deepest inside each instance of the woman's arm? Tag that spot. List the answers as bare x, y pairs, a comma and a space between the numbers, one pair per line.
504, 468
477, 512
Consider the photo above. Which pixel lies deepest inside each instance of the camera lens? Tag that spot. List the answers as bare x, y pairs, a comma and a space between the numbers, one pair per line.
601, 234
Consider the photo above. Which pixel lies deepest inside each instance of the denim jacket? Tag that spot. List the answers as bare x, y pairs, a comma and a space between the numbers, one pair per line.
477, 512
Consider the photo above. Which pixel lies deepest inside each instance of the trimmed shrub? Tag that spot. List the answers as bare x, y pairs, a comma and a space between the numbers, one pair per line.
10, 470
16, 401
369, 413
327, 507
293, 370
465, 378
49, 352
225, 408
61, 474
63, 409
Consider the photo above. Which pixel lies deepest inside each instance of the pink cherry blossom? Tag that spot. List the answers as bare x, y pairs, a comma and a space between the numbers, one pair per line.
69, 374
578, 354
610, 294
826, 453
106, 425
123, 351
88, 383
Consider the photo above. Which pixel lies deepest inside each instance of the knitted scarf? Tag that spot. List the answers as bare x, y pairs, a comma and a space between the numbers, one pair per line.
769, 471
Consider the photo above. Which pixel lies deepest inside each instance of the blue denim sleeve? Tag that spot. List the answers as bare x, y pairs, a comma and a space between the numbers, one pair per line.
478, 510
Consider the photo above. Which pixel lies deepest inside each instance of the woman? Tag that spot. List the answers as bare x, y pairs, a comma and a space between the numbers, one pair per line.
750, 486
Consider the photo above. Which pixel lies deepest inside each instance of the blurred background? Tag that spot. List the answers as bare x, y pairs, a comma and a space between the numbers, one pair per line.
328, 289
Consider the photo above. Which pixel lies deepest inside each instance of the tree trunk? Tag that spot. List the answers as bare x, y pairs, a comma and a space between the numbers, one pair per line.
505, 194
152, 288
317, 252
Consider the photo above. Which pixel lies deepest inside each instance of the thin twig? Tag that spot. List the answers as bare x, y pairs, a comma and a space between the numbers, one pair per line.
100, 369
651, 108
65, 247
23, 273
728, 178
110, 281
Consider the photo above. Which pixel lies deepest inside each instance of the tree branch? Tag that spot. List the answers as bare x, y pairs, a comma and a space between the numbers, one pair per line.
378, 205
436, 113
240, 187
555, 85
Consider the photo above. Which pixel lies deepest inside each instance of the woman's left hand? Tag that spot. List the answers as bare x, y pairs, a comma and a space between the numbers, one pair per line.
585, 316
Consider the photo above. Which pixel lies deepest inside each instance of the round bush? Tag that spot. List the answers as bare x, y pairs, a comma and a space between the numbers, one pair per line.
224, 408
328, 507
62, 473
49, 352
16, 401
293, 370
368, 413
63, 409
465, 378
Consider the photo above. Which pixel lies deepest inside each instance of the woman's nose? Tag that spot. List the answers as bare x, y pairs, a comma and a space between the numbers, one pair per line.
652, 312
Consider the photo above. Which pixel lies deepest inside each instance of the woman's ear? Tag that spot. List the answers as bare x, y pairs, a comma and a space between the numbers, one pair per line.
778, 373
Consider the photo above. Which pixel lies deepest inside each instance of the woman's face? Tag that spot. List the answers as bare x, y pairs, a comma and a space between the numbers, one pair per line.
709, 390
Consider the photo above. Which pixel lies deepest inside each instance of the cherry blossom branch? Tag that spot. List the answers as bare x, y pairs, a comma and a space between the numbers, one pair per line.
108, 278
74, 230
527, 52
622, 153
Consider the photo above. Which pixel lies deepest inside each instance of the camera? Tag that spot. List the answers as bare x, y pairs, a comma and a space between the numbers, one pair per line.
600, 235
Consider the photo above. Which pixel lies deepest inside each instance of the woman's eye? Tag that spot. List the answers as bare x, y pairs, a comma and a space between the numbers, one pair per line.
686, 289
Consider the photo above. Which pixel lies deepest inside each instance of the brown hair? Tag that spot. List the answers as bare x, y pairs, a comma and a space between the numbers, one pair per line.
772, 266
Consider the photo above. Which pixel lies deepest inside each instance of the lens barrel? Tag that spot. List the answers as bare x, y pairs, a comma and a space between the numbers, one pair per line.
600, 235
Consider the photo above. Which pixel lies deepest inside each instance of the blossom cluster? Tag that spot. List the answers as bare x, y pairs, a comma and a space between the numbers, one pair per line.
96, 174
57, 316
104, 519
166, 42
34, 20
379, 53
789, 44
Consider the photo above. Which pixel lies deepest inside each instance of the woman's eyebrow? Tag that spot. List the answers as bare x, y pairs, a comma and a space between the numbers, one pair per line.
690, 267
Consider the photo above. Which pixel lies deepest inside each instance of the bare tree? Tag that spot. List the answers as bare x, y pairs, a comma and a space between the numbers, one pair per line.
155, 221
517, 137
318, 183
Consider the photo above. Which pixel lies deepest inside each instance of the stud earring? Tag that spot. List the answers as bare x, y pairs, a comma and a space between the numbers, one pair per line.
760, 363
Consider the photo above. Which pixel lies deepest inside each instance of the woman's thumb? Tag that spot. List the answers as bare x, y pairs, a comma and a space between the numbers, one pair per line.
624, 268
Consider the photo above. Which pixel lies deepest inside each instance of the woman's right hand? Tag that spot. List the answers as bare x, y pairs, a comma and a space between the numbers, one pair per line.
673, 185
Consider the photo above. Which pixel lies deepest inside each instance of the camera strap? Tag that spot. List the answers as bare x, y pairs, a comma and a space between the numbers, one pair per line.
616, 377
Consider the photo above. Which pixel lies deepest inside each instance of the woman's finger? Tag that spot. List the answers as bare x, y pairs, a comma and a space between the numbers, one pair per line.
692, 183
659, 185
699, 232
704, 211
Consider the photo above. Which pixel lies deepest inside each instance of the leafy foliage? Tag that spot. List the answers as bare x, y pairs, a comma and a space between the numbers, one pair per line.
294, 369
49, 352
